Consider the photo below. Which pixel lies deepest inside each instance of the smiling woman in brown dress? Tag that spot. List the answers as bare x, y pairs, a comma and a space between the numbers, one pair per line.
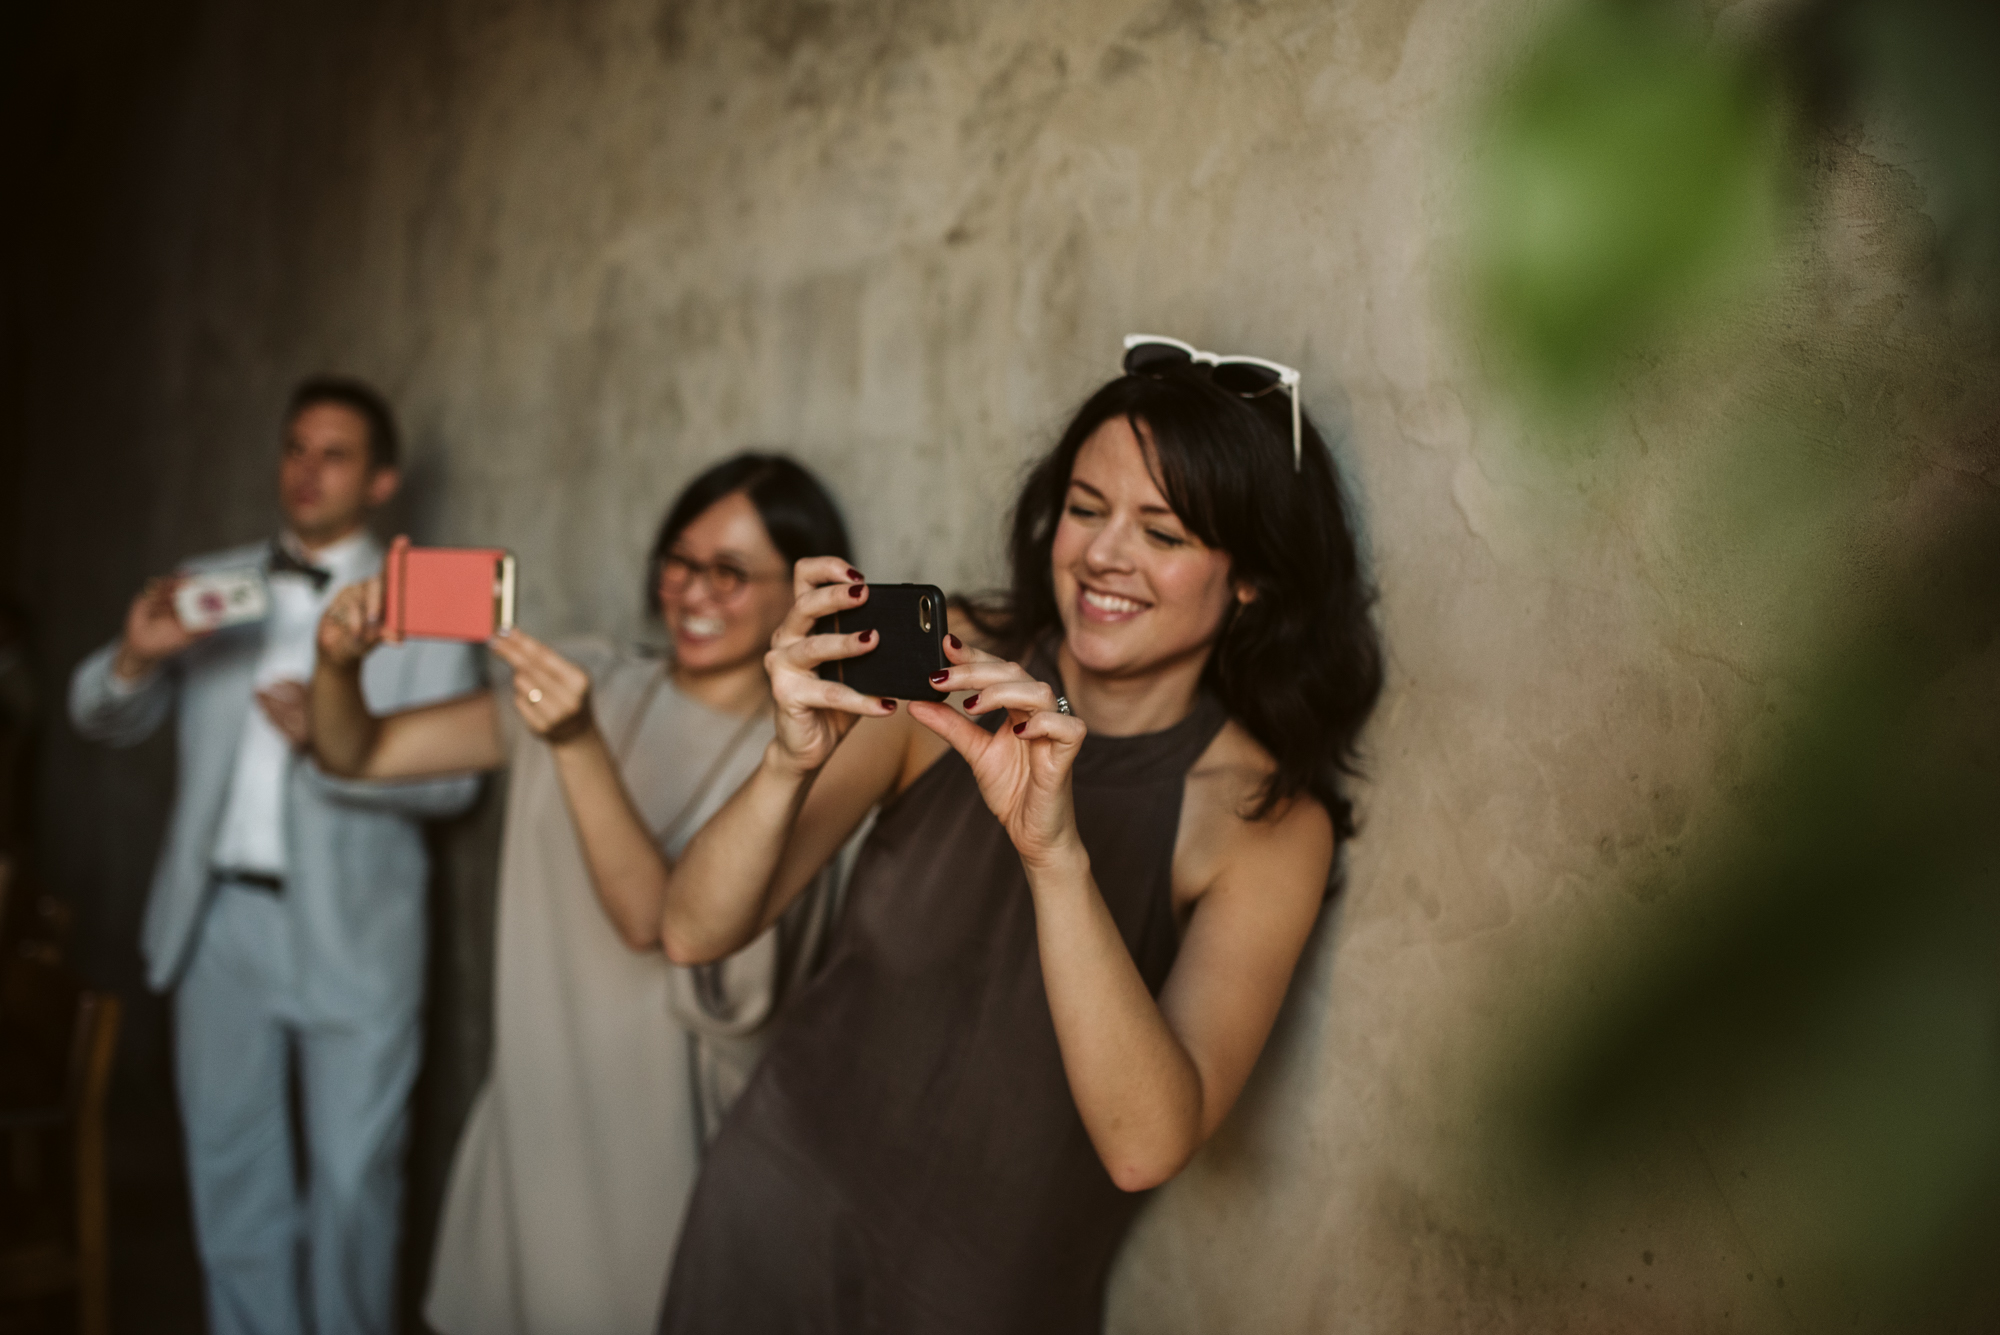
1072, 927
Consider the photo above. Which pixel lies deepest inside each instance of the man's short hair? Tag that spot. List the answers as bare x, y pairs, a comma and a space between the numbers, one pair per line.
384, 445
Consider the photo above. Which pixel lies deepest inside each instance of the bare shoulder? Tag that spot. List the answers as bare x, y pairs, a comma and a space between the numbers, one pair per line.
1226, 782
1289, 848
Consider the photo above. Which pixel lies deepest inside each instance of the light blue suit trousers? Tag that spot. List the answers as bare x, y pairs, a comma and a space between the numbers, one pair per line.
324, 980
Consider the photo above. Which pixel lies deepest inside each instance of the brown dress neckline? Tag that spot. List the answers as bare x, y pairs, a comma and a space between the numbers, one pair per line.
1134, 759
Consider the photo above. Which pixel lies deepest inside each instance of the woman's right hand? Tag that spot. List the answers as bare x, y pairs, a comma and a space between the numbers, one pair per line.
813, 714
351, 624
551, 694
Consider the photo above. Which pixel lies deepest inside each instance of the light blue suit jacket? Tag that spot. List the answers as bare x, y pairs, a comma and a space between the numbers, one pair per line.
356, 881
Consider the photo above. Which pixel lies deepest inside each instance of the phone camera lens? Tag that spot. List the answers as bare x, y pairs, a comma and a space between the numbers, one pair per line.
924, 613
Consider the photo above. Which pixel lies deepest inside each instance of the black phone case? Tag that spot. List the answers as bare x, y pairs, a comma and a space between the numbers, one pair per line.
909, 623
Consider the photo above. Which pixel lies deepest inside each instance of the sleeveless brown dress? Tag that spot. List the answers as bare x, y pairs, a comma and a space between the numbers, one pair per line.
908, 1157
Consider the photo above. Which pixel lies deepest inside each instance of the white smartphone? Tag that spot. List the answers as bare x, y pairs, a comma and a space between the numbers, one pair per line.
218, 598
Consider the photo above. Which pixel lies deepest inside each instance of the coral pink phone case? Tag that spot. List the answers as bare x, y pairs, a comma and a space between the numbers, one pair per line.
447, 593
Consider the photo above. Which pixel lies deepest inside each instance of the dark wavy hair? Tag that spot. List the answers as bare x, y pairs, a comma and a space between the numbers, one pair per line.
1299, 666
799, 515
385, 442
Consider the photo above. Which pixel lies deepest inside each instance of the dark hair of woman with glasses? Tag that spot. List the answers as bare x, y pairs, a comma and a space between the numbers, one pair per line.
798, 517
1067, 937
611, 1066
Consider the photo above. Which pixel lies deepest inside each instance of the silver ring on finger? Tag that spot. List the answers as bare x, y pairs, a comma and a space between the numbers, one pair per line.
1062, 705
534, 695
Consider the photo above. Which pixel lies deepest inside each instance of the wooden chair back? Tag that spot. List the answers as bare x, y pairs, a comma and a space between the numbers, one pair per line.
58, 1044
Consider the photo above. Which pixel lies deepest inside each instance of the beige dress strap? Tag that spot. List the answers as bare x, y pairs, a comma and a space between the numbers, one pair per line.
716, 769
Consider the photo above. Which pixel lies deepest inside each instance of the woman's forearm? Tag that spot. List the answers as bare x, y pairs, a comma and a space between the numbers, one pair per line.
344, 733
1138, 1090
721, 895
456, 736
628, 870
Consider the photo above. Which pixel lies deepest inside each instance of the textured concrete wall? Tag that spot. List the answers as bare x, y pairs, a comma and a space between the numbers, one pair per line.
589, 248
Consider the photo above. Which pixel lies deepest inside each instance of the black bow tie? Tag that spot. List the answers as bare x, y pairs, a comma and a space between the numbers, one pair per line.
284, 563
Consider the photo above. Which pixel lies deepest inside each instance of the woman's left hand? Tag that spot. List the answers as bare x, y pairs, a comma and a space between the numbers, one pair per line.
1023, 767
551, 693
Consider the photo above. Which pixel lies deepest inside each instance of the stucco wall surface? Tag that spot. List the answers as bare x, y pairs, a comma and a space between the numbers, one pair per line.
590, 248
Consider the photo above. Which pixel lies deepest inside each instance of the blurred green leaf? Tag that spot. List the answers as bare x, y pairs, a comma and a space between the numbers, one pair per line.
1626, 170
1825, 1003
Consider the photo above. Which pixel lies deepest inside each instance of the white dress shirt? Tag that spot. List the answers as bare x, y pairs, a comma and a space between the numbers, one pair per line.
251, 836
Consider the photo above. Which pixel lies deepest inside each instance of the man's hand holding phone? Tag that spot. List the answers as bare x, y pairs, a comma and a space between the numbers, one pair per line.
153, 631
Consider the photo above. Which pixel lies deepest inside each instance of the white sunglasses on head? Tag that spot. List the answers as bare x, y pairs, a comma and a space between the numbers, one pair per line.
1246, 377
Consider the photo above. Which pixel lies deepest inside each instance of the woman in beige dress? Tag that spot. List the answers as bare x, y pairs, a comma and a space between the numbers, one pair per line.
610, 1066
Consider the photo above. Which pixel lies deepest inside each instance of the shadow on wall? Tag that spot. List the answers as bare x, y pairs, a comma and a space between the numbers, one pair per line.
1823, 1016
458, 1022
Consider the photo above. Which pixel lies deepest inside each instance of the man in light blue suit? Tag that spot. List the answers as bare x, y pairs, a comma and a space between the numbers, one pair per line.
287, 910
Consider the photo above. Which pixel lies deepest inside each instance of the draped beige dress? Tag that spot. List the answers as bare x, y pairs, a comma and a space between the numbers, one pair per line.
610, 1067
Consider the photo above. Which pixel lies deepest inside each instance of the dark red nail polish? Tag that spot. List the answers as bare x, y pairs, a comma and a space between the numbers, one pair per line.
937, 678
855, 592
971, 700
956, 643
855, 575
889, 705
1022, 726
865, 636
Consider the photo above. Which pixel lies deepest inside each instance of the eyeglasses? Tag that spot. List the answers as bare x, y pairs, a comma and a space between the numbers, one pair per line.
1246, 377
725, 579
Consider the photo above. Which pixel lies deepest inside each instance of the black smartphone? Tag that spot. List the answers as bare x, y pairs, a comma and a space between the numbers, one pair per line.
908, 621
